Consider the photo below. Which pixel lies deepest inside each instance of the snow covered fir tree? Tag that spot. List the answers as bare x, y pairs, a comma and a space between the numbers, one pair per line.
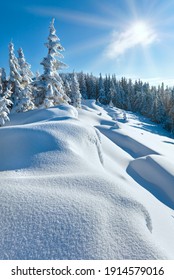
49, 89
15, 79
75, 94
5, 103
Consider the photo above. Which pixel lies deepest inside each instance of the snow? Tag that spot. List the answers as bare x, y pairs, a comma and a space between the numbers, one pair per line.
85, 184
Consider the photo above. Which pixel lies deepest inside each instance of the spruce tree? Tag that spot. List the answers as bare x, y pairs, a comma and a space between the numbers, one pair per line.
82, 84
112, 92
49, 86
5, 104
25, 98
25, 70
102, 96
67, 87
91, 83
3, 80
15, 78
75, 91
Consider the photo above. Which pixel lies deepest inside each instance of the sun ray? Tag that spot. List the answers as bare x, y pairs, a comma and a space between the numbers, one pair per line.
149, 64
87, 45
130, 64
133, 8
73, 16
114, 12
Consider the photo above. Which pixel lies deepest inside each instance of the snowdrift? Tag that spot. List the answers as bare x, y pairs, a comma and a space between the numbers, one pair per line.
162, 181
70, 190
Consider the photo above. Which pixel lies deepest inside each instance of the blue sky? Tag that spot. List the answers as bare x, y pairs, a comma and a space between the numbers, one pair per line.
130, 38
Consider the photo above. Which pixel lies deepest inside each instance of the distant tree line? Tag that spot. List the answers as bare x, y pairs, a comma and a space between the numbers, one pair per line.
22, 90
156, 103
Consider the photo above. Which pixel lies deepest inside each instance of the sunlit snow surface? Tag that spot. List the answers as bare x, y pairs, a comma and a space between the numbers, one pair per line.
85, 185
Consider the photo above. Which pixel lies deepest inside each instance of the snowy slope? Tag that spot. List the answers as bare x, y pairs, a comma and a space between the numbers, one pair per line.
85, 185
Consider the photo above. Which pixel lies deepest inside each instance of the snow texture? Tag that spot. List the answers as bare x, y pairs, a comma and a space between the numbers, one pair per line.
85, 184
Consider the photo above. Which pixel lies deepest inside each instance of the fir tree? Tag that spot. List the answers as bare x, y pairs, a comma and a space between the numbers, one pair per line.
130, 95
49, 86
5, 103
102, 96
67, 87
3, 80
75, 91
15, 79
25, 97
25, 71
112, 92
82, 84
25, 102
91, 86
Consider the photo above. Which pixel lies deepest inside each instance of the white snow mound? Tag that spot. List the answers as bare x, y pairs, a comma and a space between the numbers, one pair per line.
68, 191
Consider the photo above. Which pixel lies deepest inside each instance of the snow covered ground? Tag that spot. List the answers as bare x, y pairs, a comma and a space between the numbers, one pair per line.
85, 185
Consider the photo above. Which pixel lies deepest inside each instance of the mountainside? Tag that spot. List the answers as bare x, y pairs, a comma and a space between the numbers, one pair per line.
91, 183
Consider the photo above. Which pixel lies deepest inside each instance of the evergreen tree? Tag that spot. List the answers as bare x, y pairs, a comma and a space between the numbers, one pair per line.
130, 95
121, 96
106, 85
25, 98
91, 86
5, 103
146, 99
107, 88
75, 91
102, 96
82, 85
112, 92
171, 114
3, 80
49, 86
168, 122
15, 79
154, 107
25, 71
67, 87
117, 94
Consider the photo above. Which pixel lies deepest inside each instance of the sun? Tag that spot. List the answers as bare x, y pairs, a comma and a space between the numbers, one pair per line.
142, 32
136, 33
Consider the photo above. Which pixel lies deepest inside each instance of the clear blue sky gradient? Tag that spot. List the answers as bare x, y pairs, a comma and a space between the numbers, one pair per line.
87, 29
